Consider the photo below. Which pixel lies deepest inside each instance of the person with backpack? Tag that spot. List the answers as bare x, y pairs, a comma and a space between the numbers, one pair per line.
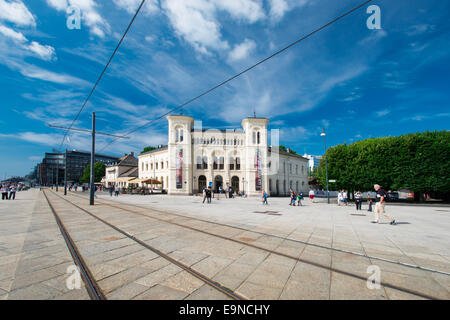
380, 204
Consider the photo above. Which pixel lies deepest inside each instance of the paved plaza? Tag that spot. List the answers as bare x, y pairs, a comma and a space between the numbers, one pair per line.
316, 251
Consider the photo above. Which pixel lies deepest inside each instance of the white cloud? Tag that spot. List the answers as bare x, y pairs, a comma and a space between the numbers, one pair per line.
10, 33
195, 22
131, 6
34, 72
17, 13
43, 51
241, 51
89, 14
383, 112
249, 10
278, 8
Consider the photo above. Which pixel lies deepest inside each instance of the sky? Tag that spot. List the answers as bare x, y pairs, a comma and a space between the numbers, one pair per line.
355, 82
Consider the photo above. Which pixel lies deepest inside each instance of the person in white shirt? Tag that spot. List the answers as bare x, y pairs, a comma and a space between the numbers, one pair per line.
340, 197
311, 196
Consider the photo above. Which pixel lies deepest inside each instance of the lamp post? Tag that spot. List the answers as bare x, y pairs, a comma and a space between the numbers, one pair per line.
326, 161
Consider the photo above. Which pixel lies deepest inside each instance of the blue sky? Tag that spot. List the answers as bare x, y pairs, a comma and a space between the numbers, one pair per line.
355, 82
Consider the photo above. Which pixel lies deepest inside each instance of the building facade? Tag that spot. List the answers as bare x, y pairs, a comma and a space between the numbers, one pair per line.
53, 165
196, 158
119, 173
313, 161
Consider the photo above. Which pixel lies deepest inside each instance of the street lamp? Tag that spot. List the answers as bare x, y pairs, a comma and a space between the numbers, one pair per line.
326, 161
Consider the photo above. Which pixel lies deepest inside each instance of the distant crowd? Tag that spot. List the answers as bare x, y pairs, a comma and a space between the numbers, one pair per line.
9, 190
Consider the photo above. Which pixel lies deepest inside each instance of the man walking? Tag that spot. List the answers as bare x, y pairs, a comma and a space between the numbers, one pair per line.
209, 194
380, 203
12, 192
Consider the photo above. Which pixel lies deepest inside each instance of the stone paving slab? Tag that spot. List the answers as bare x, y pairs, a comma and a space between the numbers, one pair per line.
125, 270
33, 271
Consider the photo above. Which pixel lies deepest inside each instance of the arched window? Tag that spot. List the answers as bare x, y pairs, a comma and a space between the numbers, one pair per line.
296, 186
162, 165
142, 166
238, 163
221, 163
231, 163
296, 169
215, 163
205, 162
258, 138
254, 137
199, 162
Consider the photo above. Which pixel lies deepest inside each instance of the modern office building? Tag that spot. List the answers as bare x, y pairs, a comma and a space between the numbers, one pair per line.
241, 158
53, 166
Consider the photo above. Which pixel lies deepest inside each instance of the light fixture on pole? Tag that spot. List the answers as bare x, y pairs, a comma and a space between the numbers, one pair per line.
326, 162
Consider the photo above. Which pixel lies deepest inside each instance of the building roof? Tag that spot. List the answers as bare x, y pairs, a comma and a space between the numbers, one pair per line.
133, 172
163, 148
285, 153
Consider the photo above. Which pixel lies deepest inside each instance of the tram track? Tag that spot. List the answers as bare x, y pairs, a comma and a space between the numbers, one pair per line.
316, 264
216, 285
93, 289
412, 266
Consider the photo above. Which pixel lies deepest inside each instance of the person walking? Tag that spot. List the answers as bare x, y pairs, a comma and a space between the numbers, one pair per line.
204, 195
110, 189
12, 192
358, 200
345, 197
116, 191
4, 191
265, 196
209, 194
311, 196
380, 204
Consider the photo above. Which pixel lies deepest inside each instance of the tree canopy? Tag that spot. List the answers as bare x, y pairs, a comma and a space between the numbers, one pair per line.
418, 162
99, 173
283, 148
147, 149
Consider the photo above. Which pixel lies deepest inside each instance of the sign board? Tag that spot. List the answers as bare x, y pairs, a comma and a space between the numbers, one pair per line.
210, 184
331, 180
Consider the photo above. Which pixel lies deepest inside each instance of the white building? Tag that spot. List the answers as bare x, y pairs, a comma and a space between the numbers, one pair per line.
241, 158
120, 173
313, 161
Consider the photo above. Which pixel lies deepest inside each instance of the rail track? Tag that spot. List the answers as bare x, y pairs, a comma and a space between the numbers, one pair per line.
89, 279
93, 289
261, 233
409, 291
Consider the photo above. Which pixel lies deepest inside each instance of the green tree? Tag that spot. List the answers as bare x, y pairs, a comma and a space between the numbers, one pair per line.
99, 173
418, 162
147, 149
